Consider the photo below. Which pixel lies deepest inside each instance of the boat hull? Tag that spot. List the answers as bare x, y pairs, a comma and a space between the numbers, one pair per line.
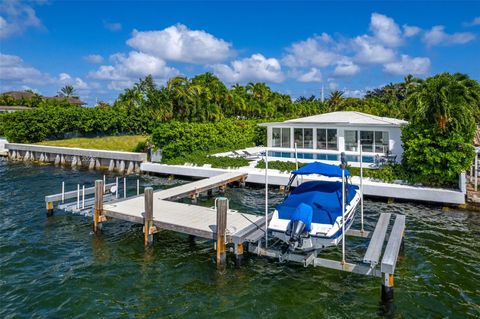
322, 235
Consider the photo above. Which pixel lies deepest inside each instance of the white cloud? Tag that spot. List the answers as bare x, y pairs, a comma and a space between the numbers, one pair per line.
77, 83
385, 30
313, 75
255, 68
408, 65
474, 22
437, 36
353, 93
112, 26
411, 30
316, 51
346, 67
179, 43
16, 17
126, 69
368, 51
93, 58
14, 70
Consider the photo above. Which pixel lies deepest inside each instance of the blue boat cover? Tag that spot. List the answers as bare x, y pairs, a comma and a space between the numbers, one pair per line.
322, 169
304, 213
323, 197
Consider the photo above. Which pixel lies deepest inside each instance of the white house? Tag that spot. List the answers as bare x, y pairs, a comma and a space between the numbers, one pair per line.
325, 136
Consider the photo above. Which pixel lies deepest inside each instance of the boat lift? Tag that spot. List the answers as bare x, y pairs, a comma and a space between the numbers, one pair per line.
371, 264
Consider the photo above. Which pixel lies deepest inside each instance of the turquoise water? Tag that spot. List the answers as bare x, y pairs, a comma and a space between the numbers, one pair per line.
56, 268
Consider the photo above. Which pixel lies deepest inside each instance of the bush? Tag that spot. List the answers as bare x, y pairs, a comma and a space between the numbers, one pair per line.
180, 139
55, 122
215, 161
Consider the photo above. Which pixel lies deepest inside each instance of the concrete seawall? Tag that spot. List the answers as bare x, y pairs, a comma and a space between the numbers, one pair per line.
275, 177
122, 162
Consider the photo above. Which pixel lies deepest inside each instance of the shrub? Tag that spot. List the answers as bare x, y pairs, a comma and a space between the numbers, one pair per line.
215, 161
180, 139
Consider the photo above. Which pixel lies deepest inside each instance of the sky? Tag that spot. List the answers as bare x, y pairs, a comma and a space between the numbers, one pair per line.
103, 47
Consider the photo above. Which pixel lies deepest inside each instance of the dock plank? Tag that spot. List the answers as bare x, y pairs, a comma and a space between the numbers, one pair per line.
390, 255
374, 249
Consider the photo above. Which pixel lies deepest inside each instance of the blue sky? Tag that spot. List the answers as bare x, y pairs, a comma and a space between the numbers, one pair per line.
102, 47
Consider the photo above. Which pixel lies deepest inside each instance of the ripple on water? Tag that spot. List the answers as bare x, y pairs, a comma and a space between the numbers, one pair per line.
58, 268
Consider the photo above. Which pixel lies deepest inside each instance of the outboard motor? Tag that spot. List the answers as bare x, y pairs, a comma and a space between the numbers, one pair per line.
343, 166
300, 225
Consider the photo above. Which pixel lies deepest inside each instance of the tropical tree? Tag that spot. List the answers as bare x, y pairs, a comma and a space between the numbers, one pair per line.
67, 91
335, 100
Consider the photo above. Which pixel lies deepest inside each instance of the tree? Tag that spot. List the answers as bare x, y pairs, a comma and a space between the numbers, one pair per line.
335, 100
67, 91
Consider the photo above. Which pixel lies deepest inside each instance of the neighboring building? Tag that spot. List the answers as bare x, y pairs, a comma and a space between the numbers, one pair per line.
27, 95
325, 136
10, 109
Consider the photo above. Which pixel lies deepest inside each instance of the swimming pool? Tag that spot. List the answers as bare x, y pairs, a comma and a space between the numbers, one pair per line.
321, 156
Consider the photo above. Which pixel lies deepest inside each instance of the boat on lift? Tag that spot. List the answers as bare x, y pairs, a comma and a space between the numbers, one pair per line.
315, 214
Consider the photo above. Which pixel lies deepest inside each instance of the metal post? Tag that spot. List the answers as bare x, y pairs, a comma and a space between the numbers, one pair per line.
138, 187
83, 197
78, 196
104, 184
222, 208
343, 215
97, 213
124, 187
148, 218
476, 171
116, 184
63, 192
361, 187
296, 161
266, 198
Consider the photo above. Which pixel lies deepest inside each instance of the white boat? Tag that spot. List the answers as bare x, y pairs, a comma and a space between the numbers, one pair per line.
310, 217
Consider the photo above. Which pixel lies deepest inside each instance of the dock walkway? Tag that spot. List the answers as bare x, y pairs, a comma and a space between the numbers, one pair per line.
185, 218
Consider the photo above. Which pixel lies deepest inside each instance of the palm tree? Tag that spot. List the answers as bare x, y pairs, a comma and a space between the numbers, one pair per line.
334, 100
443, 100
67, 91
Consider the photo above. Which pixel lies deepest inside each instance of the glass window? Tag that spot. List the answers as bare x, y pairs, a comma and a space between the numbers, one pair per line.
298, 137
366, 140
286, 137
276, 137
351, 140
381, 142
332, 139
308, 138
321, 139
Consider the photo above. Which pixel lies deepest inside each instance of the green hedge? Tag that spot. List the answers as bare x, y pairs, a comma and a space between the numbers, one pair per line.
181, 139
215, 161
53, 122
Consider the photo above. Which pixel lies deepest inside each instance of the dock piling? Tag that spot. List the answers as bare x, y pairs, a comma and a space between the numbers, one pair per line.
98, 217
222, 208
49, 209
148, 217
238, 255
387, 288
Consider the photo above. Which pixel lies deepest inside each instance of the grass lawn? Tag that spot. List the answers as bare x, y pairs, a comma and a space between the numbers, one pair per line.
126, 143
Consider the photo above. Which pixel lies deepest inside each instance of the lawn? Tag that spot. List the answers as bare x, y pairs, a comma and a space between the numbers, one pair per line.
126, 143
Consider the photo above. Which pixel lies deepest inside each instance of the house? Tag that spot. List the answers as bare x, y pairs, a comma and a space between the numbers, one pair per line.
325, 136
27, 95
10, 109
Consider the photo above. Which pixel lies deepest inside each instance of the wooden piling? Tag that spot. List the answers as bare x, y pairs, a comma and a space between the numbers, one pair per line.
148, 217
98, 218
238, 255
49, 209
222, 207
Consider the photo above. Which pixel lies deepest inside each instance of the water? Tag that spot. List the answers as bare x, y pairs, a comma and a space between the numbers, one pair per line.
56, 268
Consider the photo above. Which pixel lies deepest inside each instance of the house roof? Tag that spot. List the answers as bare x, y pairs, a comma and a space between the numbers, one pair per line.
75, 100
14, 108
19, 94
349, 118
